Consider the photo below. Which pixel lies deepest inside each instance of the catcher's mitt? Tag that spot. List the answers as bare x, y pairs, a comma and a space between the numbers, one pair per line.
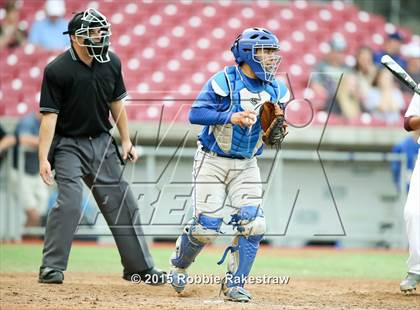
272, 124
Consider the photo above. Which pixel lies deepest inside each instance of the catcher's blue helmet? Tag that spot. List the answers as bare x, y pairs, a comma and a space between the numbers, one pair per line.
244, 50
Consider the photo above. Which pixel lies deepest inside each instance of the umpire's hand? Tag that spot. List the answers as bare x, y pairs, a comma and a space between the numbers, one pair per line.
45, 172
129, 151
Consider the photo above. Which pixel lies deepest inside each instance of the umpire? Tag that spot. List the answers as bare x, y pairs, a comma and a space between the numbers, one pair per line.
79, 89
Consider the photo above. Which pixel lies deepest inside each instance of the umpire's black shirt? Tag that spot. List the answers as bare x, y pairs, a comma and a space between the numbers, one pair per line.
81, 95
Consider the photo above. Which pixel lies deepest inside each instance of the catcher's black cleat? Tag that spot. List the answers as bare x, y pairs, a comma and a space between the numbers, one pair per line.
50, 276
151, 276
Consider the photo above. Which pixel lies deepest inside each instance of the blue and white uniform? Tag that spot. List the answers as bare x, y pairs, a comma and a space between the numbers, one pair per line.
227, 92
226, 177
225, 168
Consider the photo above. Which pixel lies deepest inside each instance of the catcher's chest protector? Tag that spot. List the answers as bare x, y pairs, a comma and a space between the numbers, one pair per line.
232, 139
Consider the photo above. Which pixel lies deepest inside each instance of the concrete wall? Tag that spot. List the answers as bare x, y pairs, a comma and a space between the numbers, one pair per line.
363, 210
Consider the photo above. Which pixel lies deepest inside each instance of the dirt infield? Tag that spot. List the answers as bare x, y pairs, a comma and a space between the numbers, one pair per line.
106, 291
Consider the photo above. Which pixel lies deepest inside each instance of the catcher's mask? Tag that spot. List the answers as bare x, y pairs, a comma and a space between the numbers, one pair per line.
259, 48
94, 30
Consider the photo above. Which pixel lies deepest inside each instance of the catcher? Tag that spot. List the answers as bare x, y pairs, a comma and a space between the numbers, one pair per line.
241, 109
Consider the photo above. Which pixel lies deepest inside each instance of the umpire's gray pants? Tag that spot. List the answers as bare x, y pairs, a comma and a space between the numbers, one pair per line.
95, 161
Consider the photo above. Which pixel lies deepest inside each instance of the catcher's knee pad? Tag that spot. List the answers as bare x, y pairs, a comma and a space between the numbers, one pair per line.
250, 224
196, 235
249, 221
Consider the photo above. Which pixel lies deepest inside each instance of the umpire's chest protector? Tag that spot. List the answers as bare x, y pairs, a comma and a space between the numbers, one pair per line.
232, 139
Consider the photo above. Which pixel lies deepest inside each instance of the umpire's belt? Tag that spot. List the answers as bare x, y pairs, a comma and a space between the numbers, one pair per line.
206, 150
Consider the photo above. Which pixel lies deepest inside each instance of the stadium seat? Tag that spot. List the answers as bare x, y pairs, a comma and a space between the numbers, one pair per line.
174, 47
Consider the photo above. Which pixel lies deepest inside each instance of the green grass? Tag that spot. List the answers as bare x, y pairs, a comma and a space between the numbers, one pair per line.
301, 263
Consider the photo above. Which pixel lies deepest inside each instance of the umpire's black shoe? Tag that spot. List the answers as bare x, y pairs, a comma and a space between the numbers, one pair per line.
151, 276
50, 276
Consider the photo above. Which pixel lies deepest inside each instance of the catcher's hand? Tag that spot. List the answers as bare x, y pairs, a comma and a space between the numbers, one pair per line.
273, 124
244, 119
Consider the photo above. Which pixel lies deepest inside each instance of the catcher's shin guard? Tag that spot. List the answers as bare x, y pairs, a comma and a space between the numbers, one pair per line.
250, 224
195, 236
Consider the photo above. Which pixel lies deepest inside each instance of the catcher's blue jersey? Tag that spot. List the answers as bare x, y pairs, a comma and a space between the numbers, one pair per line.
227, 92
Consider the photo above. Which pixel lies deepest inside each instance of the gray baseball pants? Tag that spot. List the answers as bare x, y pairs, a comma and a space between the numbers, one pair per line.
95, 161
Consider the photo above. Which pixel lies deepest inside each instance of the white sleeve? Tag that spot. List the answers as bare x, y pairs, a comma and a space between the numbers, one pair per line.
414, 107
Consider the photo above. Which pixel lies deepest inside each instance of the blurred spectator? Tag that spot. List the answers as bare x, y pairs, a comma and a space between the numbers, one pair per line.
6, 142
10, 33
412, 53
392, 47
328, 72
348, 102
365, 71
410, 148
48, 32
385, 100
31, 191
